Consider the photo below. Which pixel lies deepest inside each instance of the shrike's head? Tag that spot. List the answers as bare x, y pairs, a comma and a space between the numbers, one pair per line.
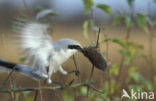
66, 43
63, 46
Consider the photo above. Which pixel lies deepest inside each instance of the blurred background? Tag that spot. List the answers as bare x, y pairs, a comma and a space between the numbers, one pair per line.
127, 41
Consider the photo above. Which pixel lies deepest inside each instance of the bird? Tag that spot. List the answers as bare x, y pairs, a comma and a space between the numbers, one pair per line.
45, 55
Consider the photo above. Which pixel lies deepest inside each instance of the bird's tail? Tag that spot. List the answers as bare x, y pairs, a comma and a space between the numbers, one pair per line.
24, 69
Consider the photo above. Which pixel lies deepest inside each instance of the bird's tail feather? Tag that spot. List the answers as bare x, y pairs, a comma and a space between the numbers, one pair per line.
24, 69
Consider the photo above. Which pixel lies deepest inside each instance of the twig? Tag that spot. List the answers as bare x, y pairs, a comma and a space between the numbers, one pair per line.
75, 95
26, 7
40, 91
92, 71
45, 88
36, 94
97, 42
99, 91
7, 78
77, 70
11, 85
91, 75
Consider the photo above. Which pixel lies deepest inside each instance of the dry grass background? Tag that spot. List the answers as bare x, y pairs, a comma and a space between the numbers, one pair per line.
8, 51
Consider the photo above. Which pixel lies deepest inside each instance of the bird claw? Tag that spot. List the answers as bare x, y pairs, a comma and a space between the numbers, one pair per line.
64, 72
77, 72
49, 81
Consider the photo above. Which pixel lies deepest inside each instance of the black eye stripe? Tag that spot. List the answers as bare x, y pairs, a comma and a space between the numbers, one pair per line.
74, 47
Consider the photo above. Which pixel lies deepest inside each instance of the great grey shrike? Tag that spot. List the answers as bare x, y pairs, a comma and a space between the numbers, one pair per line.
45, 55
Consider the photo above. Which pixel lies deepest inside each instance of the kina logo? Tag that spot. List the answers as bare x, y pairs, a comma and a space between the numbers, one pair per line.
137, 94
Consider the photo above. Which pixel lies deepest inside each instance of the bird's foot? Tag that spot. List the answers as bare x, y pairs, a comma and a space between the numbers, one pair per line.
49, 81
64, 72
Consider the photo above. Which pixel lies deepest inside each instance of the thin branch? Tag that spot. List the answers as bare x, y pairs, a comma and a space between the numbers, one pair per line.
77, 70
26, 7
97, 41
7, 78
91, 75
92, 71
40, 91
36, 94
46, 88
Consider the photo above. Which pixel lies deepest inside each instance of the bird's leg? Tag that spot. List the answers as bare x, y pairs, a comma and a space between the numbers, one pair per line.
62, 70
49, 72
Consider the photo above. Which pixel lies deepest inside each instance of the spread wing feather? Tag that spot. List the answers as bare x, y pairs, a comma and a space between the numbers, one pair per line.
37, 44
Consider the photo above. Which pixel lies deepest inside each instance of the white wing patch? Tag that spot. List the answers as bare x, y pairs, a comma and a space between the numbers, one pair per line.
38, 44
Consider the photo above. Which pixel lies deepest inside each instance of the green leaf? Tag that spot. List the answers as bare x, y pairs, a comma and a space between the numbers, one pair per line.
116, 99
88, 5
128, 21
84, 91
17, 96
119, 41
85, 31
117, 20
114, 70
105, 8
148, 85
99, 99
67, 96
112, 86
15, 25
22, 59
133, 74
154, 23
134, 87
141, 21
128, 56
92, 95
29, 98
130, 3
154, 1
106, 88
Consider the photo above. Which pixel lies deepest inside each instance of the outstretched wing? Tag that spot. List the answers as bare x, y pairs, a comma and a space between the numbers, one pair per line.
37, 43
